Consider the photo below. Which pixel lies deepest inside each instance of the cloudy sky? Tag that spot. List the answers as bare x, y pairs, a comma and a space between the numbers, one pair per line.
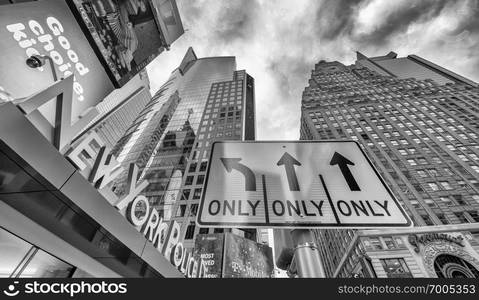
278, 43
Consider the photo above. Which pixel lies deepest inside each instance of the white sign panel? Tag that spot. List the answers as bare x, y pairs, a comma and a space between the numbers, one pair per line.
308, 184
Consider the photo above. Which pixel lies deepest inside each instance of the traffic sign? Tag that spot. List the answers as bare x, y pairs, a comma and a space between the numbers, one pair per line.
300, 184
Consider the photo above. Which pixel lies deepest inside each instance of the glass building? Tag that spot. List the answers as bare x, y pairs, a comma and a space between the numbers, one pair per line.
204, 100
118, 110
418, 123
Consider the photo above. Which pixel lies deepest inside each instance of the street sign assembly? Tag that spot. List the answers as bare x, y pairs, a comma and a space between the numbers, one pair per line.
300, 184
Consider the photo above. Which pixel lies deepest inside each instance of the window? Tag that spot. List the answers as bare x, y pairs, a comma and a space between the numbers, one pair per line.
445, 185
373, 244
204, 230
200, 179
396, 268
422, 173
197, 194
181, 211
458, 199
415, 203
443, 219
192, 168
422, 161
399, 242
474, 215
190, 231
203, 166
189, 180
462, 184
433, 186
447, 201
462, 218
193, 210
427, 220
389, 242
185, 195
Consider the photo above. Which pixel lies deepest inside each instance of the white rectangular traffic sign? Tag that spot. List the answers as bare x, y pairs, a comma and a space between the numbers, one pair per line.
308, 184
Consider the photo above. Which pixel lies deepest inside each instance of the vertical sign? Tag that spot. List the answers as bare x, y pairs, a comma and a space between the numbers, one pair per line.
49, 28
209, 247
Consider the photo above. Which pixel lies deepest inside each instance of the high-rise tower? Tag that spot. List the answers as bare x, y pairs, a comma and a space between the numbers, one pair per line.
204, 100
118, 110
418, 123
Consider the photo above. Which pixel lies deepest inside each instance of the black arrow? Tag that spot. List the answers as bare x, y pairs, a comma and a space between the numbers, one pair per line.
233, 163
288, 161
343, 163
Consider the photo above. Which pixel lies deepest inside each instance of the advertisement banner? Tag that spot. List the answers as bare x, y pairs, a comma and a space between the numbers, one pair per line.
227, 255
129, 33
210, 248
48, 28
246, 259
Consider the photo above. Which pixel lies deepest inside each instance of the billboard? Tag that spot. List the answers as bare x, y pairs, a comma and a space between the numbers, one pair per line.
48, 28
209, 247
245, 258
231, 256
129, 34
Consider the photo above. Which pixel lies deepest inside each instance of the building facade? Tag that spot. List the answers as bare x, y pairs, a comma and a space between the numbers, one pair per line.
442, 251
119, 109
55, 220
204, 100
416, 121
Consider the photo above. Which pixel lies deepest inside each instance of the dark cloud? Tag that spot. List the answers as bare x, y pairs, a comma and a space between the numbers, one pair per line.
398, 21
334, 18
278, 42
236, 21
470, 22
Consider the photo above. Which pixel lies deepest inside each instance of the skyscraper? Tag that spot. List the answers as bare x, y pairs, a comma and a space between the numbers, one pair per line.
118, 110
205, 99
418, 123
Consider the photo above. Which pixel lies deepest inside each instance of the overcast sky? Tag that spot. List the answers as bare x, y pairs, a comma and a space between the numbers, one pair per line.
278, 43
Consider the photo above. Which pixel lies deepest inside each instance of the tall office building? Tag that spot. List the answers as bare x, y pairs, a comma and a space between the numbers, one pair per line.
418, 123
119, 109
205, 99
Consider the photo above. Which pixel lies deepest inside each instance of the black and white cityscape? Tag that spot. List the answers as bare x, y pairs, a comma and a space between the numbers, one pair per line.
239, 139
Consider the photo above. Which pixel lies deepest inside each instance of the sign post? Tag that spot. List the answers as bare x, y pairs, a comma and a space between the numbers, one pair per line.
306, 254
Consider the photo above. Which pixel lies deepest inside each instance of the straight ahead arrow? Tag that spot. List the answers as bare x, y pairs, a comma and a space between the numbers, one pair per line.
288, 161
250, 178
343, 163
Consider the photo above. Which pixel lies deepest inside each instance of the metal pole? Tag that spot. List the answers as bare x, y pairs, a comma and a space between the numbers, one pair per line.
306, 254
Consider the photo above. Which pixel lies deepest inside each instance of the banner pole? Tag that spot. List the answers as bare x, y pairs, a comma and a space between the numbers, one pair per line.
306, 254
